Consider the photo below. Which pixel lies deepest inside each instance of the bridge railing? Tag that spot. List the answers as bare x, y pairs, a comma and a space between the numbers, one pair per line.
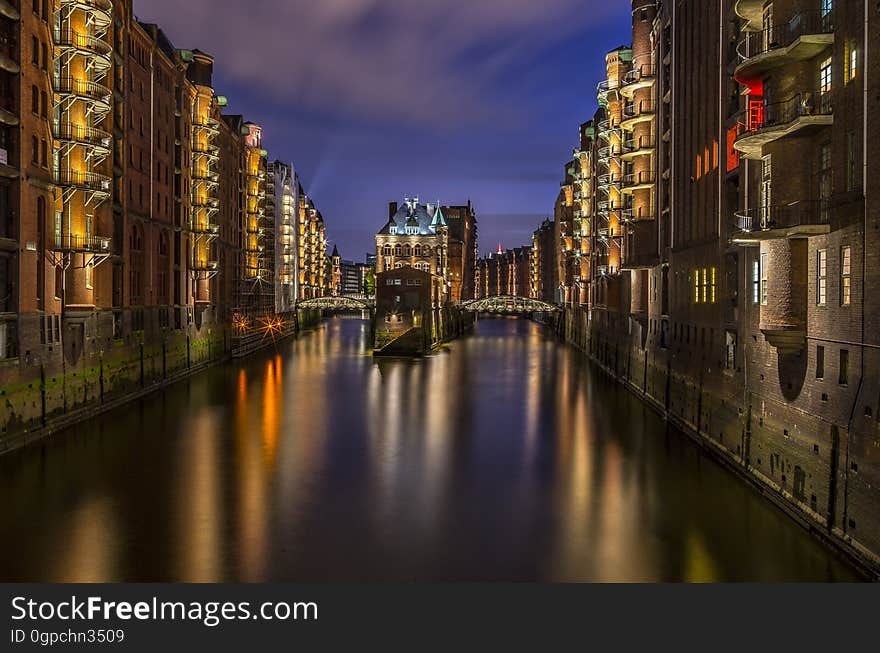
508, 304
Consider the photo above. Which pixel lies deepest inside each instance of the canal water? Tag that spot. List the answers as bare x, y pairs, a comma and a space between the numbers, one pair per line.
503, 457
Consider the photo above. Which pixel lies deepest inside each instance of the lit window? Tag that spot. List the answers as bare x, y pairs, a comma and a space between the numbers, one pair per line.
764, 280
845, 276
713, 285
756, 282
825, 76
852, 62
705, 285
696, 286
821, 276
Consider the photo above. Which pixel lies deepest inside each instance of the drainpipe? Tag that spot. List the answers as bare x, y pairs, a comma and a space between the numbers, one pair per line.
856, 401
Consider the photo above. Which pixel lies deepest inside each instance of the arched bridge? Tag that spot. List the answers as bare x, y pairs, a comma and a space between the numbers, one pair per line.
508, 305
336, 304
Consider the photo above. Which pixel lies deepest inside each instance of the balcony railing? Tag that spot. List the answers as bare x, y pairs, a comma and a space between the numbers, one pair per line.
98, 49
637, 179
785, 216
638, 109
640, 77
206, 229
778, 114
66, 131
635, 145
82, 243
100, 11
88, 91
204, 266
91, 181
786, 34
7, 10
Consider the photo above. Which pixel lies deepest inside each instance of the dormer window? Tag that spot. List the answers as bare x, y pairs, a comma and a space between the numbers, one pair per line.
393, 231
412, 231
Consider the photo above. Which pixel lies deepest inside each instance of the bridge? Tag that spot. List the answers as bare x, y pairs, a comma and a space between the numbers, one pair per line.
336, 304
508, 305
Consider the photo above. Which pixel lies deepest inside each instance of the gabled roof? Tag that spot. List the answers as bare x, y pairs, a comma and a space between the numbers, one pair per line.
426, 217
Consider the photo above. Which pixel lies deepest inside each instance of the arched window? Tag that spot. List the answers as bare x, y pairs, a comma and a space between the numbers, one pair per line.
386, 251
417, 250
426, 251
397, 250
407, 251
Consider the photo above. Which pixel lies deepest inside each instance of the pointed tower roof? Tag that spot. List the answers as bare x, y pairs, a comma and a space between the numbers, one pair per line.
335, 253
439, 220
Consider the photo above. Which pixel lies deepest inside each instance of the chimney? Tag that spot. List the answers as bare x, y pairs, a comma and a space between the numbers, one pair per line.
392, 209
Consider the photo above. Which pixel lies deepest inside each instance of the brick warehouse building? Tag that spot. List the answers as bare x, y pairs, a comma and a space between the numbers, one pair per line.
730, 210
134, 217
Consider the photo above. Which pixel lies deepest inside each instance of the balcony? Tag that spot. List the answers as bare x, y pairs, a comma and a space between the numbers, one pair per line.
93, 94
208, 125
799, 218
606, 181
8, 11
636, 79
9, 64
803, 37
83, 244
209, 230
211, 179
204, 266
806, 111
97, 140
751, 11
606, 87
98, 51
629, 214
207, 203
638, 181
99, 11
86, 181
637, 112
634, 147
207, 150
9, 112
609, 152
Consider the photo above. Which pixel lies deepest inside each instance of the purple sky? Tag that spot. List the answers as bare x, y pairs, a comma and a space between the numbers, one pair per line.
374, 100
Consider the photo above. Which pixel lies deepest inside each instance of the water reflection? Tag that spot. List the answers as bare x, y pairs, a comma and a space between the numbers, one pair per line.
504, 456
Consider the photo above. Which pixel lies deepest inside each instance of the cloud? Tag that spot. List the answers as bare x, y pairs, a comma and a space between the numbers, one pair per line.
418, 62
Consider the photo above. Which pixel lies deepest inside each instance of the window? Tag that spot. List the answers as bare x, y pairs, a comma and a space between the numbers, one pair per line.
88, 271
697, 286
393, 231
44, 154
44, 105
35, 51
756, 282
845, 276
821, 277
825, 76
850, 161
820, 362
764, 279
825, 180
844, 367
711, 284
35, 150
852, 62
